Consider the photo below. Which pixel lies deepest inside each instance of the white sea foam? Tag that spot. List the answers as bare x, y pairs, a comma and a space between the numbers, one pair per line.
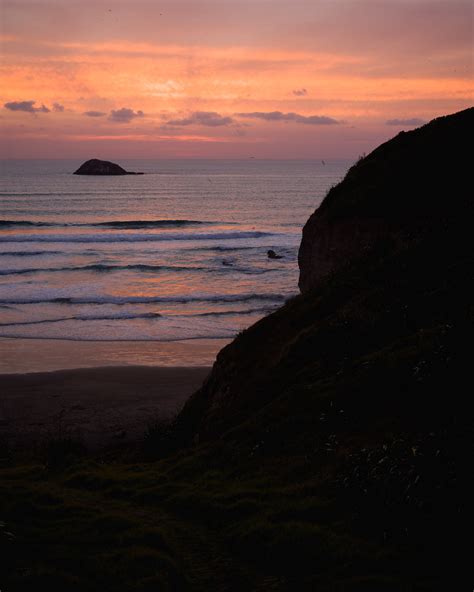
110, 237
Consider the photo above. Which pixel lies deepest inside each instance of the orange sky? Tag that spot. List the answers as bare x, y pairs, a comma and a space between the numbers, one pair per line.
227, 78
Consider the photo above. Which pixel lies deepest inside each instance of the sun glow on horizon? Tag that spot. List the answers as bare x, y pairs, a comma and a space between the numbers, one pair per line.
277, 90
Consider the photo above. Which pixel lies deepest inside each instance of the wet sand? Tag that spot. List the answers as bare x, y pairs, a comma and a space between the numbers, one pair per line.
47, 355
102, 406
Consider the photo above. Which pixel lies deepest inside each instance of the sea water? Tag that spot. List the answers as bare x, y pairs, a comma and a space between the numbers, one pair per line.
173, 256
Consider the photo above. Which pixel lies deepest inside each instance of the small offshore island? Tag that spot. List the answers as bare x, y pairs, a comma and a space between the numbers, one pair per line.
94, 166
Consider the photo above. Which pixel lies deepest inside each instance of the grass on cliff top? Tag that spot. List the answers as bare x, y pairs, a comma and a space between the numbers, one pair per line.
179, 526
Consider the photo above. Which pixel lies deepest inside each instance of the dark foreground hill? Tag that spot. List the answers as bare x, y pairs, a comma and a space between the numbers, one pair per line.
367, 374
330, 448
385, 270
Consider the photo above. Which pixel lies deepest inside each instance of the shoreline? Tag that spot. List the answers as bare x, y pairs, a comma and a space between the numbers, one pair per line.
101, 406
20, 356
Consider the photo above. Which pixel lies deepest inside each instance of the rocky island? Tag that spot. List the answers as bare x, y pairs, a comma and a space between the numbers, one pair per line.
102, 168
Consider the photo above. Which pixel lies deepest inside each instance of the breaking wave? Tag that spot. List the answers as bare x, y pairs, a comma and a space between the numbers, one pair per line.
28, 253
100, 267
114, 238
109, 317
120, 300
130, 224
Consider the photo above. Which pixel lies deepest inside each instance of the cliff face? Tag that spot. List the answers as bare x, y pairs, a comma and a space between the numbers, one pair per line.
385, 266
396, 194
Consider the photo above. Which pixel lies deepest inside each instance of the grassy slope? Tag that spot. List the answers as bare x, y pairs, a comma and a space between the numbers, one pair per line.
333, 462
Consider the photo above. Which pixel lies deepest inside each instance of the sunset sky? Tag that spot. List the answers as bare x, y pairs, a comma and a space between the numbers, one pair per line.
227, 78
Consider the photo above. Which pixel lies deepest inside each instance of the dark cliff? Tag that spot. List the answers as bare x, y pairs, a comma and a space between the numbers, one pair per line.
358, 391
386, 266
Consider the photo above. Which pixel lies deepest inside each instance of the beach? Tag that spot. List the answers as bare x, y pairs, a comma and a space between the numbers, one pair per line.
102, 407
117, 293
23, 356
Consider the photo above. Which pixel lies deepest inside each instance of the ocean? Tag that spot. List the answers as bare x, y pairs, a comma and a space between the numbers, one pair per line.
161, 268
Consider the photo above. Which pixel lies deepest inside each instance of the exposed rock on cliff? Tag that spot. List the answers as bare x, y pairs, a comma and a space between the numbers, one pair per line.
407, 187
102, 167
